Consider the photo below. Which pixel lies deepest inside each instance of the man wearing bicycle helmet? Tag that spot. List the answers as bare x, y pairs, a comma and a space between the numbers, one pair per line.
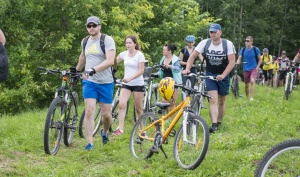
98, 84
219, 63
284, 63
183, 57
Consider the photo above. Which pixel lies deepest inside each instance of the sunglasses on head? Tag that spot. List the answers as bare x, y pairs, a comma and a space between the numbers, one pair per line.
92, 25
247, 40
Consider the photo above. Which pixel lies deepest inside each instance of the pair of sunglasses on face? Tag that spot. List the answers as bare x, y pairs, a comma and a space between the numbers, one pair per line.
91, 25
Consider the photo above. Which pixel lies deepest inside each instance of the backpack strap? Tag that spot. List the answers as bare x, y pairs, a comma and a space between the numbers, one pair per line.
225, 49
84, 43
208, 42
102, 44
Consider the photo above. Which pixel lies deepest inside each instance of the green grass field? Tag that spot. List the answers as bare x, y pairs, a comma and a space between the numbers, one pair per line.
248, 131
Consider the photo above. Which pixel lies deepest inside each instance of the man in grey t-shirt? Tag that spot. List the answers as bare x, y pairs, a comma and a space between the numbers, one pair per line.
98, 83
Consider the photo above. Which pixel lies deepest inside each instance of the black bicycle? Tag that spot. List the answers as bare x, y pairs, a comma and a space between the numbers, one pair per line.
62, 116
281, 160
235, 81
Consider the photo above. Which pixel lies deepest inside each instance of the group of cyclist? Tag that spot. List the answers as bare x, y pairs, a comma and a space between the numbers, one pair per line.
99, 54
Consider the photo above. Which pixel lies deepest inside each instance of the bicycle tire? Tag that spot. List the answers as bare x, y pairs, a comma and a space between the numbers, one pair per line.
153, 99
97, 121
236, 87
281, 160
196, 104
287, 91
70, 122
189, 155
140, 148
115, 115
54, 128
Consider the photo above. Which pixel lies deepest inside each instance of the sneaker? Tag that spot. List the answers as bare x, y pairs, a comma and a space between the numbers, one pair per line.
251, 99
213, 129
118, 132
89, 147
104, 137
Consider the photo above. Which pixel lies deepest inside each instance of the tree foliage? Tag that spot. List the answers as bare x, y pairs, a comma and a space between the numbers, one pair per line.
48, 33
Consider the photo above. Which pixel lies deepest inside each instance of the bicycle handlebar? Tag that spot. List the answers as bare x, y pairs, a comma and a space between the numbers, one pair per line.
62, 72
192, 90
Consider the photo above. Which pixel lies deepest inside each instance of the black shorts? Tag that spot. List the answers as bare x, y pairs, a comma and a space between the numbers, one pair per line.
134, 88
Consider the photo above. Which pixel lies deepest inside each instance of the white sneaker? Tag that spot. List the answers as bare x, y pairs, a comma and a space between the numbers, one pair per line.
251, 99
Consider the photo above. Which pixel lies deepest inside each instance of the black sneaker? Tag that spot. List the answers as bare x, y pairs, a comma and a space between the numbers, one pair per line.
213, 129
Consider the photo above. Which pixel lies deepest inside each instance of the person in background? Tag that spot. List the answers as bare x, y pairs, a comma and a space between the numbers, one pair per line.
98, 83
284, 63
267, 66
133, 81
170, 67
183, 57
296, 59
275, 72
251, 55
219, 64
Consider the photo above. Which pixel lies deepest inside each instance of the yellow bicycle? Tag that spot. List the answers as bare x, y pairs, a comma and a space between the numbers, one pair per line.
191, 141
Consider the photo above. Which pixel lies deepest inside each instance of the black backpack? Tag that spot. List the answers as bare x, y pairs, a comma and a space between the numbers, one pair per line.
4, 67
254, 48
102, 46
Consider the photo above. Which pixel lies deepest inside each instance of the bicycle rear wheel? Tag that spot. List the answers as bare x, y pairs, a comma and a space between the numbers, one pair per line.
281, 160
153, 99
115, 116
70, 120
140, 147
190, 153
54, 128
97, 121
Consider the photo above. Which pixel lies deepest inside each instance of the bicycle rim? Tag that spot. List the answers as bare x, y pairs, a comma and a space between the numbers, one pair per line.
189, 154
70, 122
236, 86
281, 160
287, 91
153, 100
53, 127
139, 147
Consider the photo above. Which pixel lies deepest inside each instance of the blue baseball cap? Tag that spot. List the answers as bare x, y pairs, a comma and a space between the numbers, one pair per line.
215, 27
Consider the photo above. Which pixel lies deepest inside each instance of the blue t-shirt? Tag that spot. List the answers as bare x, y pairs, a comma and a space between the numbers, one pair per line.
249, 56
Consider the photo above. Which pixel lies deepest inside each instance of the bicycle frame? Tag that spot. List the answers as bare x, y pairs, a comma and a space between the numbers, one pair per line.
180, 108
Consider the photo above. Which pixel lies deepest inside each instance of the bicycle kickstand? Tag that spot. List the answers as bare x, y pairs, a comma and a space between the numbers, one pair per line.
163, 151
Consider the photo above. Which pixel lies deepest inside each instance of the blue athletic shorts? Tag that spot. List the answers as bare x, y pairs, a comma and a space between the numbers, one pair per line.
221, 86
103, 93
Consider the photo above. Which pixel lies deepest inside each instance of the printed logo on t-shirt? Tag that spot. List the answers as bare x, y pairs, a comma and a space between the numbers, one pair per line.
215, 57
93, 49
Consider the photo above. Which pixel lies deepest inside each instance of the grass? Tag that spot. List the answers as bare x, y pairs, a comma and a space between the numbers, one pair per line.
248, 131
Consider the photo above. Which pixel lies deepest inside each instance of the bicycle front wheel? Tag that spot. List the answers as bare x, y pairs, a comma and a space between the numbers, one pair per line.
71, 118
140, 147
54, 128
287, 90
190, 147
281, 160
97, 121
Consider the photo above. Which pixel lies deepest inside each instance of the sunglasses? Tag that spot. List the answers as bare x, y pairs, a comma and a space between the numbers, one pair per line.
93, 25
212, 32
247, 40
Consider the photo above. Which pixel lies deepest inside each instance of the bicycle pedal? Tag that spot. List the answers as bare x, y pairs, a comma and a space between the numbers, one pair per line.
172, 133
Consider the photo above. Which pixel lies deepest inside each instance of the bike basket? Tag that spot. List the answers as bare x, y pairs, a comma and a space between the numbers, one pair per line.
147, 72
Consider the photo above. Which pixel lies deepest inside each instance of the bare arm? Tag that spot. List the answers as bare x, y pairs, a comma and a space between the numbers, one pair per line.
231, 60
239, 60
108, 62
259, 62
200, 57
81, 62
2, 38
296, 58
190, 62
181, 59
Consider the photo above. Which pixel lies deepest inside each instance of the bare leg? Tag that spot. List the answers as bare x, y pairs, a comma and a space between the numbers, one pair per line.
221, 108
106, 116
252, 87
90, 105
123, 99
